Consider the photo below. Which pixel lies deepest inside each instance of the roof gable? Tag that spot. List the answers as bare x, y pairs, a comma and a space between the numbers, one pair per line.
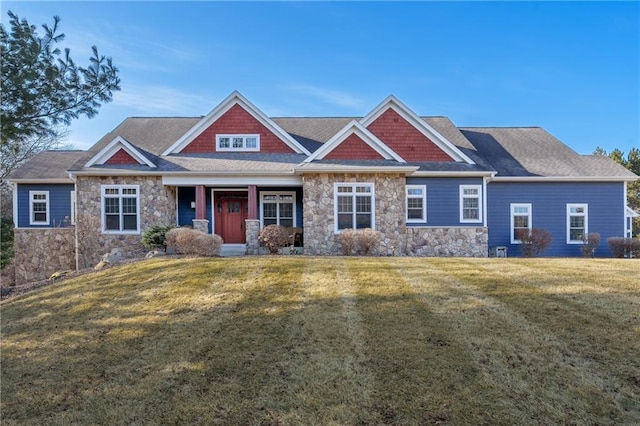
119, 151
235, 104
393, 115
354, 142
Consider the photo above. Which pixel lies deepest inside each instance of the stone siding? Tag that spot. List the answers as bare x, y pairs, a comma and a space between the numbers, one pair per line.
319, 235
459, 241
157, 207
252, 232
43, 251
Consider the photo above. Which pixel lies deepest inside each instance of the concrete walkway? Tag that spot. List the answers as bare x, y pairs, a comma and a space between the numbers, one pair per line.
229, 250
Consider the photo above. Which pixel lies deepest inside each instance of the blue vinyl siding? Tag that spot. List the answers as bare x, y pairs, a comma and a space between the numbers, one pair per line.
549, 211
186, 214
59, 204
443, 200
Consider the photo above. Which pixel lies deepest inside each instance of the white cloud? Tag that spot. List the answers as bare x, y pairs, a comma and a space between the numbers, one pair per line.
330, 96
153, 100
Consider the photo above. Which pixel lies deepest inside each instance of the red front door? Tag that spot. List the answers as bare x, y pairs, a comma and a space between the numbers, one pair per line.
234, 213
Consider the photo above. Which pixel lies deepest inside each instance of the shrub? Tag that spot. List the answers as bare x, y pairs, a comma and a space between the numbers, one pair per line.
368, 240
6, 241
155, 236
624, 247
534, 242
360, 241
273, 237
191, 242
589, 244
347, 240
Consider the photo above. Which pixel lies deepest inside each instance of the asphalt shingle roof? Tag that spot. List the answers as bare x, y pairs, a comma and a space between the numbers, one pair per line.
49, 165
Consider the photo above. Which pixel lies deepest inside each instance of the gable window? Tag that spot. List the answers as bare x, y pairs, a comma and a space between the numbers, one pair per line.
278, 208
120, 209
470, 203
416, 203
354, 206
520, 221
38, 207
238, 142
577, 222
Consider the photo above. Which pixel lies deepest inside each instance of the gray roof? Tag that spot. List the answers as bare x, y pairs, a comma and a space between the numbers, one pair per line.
49, 165
521, 151
532, 151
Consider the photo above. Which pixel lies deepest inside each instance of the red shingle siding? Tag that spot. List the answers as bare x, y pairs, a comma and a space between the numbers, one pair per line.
237, 121
121, 157
353, 148
399, 135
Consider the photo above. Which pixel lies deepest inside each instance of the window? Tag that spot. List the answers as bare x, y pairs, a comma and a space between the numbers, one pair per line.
120, 209
238, 142
577, 223
38, 207
520, 221
416, 203
354, 206
470, 203
278, 208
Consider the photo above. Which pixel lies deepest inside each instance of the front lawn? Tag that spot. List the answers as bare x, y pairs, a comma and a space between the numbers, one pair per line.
328, 340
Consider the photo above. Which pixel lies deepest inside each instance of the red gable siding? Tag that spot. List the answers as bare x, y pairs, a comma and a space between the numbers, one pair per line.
237, 121
399, 135
353, 148
121, 157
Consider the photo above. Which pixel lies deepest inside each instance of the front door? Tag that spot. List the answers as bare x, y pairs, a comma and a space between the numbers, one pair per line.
234, 213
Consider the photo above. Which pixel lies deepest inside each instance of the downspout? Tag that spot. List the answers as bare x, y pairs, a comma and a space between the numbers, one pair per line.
14, 188
75, 189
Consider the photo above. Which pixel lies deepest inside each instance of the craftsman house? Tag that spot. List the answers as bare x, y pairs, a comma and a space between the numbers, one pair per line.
430, 188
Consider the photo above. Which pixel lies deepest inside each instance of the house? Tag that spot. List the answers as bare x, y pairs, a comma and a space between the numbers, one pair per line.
430, 188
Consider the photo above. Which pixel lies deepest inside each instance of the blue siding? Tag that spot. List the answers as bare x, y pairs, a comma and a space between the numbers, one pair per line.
549, 211
186, 214
443, 200
59, 204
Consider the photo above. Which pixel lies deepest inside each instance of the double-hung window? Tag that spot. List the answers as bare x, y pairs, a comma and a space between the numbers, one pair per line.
278, 208
470, 203
121, 209
38, 207
238, 142
416, 203
577, 223
354, 206
520, 221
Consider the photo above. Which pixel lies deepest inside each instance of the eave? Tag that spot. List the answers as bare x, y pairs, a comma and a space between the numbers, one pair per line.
563, 179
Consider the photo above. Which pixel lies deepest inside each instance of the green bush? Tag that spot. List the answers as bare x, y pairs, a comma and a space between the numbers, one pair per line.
154, 237
6, 241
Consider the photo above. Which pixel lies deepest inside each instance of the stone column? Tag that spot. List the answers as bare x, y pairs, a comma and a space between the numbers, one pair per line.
201, 225
252, 231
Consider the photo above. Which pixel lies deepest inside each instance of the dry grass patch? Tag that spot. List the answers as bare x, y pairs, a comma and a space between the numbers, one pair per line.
304, 340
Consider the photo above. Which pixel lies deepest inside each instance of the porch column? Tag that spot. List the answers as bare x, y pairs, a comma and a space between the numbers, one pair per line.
201, 202
253, 202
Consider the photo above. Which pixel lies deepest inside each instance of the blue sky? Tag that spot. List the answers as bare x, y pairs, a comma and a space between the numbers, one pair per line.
572, 68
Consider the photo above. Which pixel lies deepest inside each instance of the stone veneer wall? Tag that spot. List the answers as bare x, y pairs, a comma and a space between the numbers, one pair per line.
43, 251
252, 232
398, 239
157, 207
460, 241
319, 236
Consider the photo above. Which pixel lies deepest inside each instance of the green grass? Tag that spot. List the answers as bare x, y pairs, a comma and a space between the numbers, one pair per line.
307, 340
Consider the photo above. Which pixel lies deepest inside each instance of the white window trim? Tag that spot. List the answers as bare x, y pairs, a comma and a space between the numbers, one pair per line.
480, 202
47, 211
278, 193
244, 142
353, 194
103, 188
512, 227
586, 221
423, 219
